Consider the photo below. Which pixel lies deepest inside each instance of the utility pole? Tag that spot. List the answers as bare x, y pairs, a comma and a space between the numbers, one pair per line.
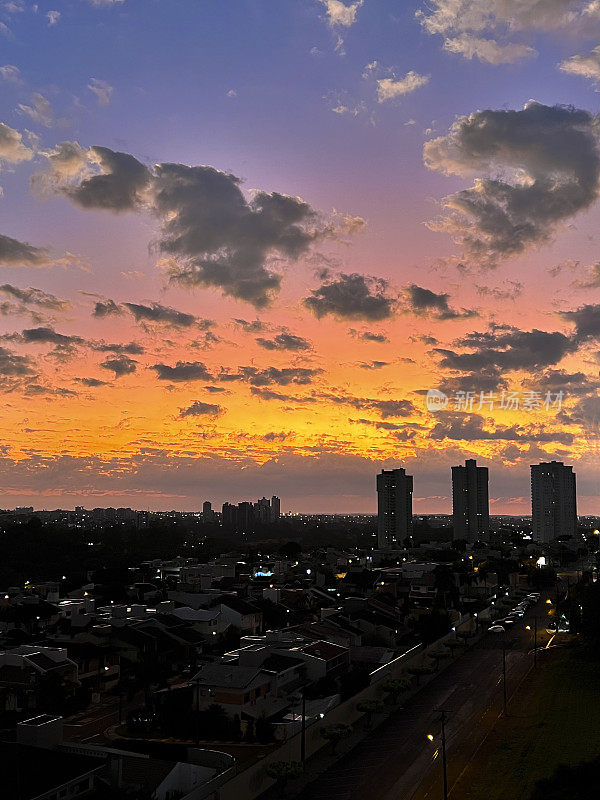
303, 733
504, 677
443, 712
535, 642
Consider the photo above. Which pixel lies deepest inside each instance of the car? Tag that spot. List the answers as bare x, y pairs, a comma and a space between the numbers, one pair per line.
507, 621
496, 628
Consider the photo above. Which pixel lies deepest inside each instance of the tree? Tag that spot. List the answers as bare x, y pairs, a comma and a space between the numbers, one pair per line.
282, 772
438, 653
419, 670
335, 733
290, 549
395, 686
576, 783
369, 708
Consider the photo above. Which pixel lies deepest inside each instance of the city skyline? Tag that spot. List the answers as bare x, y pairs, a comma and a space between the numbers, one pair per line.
241, 242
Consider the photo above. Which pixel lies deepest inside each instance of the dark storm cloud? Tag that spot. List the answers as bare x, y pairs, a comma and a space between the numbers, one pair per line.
120, 365
369, 336
119, 186
284, 341
15, 253
199, 409
35, 297
351, 296
182, 371
425, 302
106, 308
539, 167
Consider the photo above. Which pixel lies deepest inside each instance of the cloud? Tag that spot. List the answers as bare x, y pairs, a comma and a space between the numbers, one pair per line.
15, 253
549, 160
487, 50
91, 383
43, 335
36, 297
351, 296
10, 73
505, 347
474, 427
387, 408
223, 240
369, 336
102, 90
52, 17
340, 14
514, 289
214, 235
132, 349
106, 308
284, 341
120, 365
256, 326
166, 315
183, 371
425, 302
14, 365
271, 375
391, 88
370, 365
40, 111
587, 66
118, 187
199, 409
586, 319
12, 148
269, 394
489, 27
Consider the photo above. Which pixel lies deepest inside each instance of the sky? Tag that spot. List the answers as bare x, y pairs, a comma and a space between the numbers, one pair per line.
240, 242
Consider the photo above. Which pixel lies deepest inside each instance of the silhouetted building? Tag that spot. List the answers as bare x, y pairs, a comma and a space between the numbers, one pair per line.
394, 507
470, 502
553, 501
275, 508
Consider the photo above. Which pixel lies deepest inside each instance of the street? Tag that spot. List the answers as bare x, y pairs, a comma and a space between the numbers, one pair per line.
397, 761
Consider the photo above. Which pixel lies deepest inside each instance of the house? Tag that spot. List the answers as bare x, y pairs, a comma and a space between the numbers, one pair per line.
28, 670
241, 614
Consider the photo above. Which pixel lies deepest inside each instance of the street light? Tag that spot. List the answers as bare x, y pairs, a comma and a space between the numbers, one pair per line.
528, 628
430, 736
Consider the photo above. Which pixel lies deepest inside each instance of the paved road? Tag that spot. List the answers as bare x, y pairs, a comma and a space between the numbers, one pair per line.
397, 761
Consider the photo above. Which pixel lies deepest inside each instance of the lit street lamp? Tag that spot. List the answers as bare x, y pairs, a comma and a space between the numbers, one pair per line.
430, 736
